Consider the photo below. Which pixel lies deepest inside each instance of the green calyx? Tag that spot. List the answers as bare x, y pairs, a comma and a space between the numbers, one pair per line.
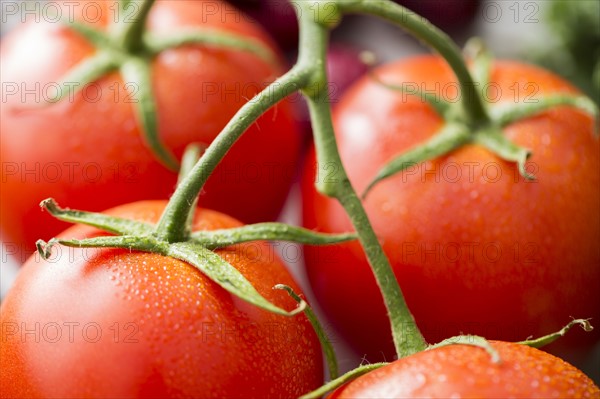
461, 129
197, 249
126, 47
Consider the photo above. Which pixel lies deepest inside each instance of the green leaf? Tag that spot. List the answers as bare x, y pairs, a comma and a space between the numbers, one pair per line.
450, 136
104, 222
224, 274
267, 231
136, 72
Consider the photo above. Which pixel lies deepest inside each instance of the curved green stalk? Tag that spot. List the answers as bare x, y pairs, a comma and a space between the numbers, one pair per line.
548, 339
191, 155
471, 340
330, 357
313, 39
482, 60
131, 33
338, 382
170, 225
474, 109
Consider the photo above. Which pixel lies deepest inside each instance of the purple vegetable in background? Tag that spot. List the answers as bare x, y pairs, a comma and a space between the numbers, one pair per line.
449, 15
276, 16
344, 66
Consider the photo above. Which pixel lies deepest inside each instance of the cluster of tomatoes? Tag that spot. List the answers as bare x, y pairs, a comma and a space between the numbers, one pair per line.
476, 248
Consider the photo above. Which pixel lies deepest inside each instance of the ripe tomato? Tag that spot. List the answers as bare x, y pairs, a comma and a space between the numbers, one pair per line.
88, 151
476, 248
461, 371
114, 323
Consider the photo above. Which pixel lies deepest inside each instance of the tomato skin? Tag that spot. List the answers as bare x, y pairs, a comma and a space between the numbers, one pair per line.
166, 329
547, 230
468, 372
89, 152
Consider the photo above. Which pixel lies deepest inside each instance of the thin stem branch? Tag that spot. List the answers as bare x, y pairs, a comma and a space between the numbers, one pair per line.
171, 226
433, 37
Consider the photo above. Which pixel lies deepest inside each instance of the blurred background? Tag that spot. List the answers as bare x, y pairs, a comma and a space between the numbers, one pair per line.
563, 36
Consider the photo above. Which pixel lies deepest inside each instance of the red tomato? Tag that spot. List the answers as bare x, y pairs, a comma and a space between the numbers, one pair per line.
461, 371
113, 323
475, 248
89, 152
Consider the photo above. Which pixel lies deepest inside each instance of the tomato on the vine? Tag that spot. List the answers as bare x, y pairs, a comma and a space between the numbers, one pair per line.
476, 248
117, 323
88, 150
462, 371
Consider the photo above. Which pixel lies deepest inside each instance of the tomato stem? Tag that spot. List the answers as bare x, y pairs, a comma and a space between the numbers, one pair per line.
313, 47
171, 226
472, 102
131, 32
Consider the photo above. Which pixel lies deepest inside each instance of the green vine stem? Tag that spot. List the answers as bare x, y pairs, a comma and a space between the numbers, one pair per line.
308, 75
171, 225
191, 155
313, 46
131, 33
473, 106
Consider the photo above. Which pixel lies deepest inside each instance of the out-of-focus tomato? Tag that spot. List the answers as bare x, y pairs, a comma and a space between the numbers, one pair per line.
88, 150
